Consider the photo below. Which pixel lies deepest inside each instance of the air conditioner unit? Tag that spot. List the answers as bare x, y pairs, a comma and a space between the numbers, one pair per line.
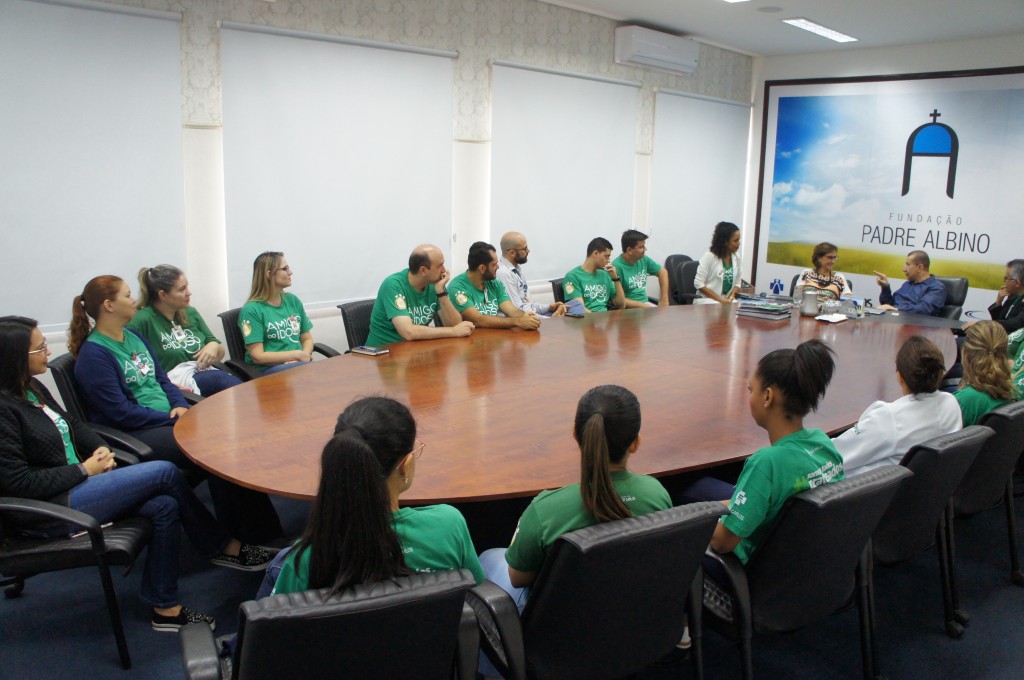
638, 46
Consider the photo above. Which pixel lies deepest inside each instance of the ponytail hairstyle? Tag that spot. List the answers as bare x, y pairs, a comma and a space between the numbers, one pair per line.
153, 281
349, 532
263, 268
607, 423
986, 363
15, 343
87, 306
801, 375
921, 365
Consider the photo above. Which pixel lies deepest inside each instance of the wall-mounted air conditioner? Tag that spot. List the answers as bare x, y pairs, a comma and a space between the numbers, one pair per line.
639, 46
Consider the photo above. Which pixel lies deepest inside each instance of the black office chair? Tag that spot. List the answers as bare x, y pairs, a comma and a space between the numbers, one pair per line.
236, 346
956, 295
680, 277
920, 514
813, 562
356, 317
672, 260
412, 627
557, 290
22, 557
610, 599
990, 479
63, 371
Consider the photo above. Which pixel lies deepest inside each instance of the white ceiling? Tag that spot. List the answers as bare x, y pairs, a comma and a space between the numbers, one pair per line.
750, 28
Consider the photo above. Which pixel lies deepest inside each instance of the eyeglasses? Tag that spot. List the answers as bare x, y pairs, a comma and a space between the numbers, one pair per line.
286, 268
524, 249
418, 450
42, 350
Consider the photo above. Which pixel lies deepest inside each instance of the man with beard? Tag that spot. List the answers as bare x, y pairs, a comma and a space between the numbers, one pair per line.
514, 252
479, 296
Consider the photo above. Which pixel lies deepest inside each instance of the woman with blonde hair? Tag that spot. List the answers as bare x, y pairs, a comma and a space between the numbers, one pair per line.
987, 381
275, 328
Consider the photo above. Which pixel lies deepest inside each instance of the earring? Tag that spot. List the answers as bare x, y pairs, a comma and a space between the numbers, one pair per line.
405, 480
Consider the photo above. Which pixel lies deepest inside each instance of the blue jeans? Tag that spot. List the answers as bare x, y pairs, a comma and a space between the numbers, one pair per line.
496, 570
705, 489
214, 380
273, 571
157, 491
282, 367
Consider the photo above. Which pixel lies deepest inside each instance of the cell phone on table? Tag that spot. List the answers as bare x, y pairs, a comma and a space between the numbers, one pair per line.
574, 308
370, 351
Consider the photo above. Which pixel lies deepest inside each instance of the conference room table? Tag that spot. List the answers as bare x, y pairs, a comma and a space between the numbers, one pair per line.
496, 409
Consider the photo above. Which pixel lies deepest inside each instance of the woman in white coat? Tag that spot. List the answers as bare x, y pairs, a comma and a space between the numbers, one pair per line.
718, 270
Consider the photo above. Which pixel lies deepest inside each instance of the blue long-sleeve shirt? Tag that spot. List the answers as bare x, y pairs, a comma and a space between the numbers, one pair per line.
108, 398
921, 297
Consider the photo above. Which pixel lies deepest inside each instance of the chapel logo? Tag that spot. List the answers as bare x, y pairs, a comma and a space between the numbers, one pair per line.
932, 140
246, 328
400, 302
461, 298
569, 288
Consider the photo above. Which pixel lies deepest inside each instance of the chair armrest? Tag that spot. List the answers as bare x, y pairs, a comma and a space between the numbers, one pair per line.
326, 350
501, 631
242, 370
682, 297
468, 652
123, 457
121, 440
199, 652
59, 512
191, 397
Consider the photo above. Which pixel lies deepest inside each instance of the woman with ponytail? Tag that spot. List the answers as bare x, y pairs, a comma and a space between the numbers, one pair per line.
988, 379
607, 430
887, 430
787, 384
183, 344
357, 532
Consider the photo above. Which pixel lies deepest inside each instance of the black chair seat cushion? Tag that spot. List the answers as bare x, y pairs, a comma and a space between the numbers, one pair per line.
24, 555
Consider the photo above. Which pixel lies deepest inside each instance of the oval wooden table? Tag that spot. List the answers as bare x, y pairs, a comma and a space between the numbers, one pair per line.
496, 409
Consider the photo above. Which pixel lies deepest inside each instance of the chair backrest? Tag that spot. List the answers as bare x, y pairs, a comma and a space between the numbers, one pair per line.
956, 295
63, 371
908, 527
556, 289
611, 598
672, 260
805, 568
985, 482
356, 316
402, 628
680, 280
232, 334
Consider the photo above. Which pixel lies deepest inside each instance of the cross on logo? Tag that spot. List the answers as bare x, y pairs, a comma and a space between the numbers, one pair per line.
776, 286
741, 498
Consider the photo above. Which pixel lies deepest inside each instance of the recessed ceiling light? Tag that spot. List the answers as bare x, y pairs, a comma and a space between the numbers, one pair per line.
737, 0
818, 29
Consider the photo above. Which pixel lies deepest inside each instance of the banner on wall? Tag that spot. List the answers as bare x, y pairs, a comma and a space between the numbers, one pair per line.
884, 166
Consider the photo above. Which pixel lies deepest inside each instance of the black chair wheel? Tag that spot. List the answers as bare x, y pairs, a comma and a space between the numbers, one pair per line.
14, 590
1018, 578
954, 630
962, 617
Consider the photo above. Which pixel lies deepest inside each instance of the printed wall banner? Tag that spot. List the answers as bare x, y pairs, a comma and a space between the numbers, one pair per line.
882, 166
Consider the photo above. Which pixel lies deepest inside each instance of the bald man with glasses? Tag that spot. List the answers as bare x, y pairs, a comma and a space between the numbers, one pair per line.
515, 252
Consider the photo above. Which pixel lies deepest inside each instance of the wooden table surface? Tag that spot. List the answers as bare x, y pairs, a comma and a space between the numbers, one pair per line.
496, 409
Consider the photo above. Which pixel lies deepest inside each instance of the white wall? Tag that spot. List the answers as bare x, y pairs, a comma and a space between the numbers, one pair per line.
947, 56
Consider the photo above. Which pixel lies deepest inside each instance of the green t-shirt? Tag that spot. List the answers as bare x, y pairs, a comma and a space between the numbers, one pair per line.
278, 328
634, 276
464, 295
62, 427
727, 276
975, 403
557, 512
1016, 350
433, 538
596, 289
396, 297
137, 367
172, 343
803, 460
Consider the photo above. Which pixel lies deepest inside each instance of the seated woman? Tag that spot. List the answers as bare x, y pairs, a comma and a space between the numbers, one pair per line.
787, 384
45, 454
887, 430
607, 430
987, 382
830, 284
274, 325
1015, 350
183, 344
356, 532
125, 387
718, 270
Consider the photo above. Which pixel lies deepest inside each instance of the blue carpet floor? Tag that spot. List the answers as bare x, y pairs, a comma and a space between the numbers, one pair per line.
59, 626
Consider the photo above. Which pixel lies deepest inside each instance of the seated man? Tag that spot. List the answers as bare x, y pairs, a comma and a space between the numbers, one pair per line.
479, 296
406, 303
595, 282
921, 294
1007, 310
514, 252
634, 266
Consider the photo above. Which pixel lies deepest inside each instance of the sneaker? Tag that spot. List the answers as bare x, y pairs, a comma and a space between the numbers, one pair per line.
249, 558
184, 617
685, 642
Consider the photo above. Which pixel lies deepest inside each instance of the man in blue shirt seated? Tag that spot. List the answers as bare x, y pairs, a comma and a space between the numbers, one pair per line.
921, 294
